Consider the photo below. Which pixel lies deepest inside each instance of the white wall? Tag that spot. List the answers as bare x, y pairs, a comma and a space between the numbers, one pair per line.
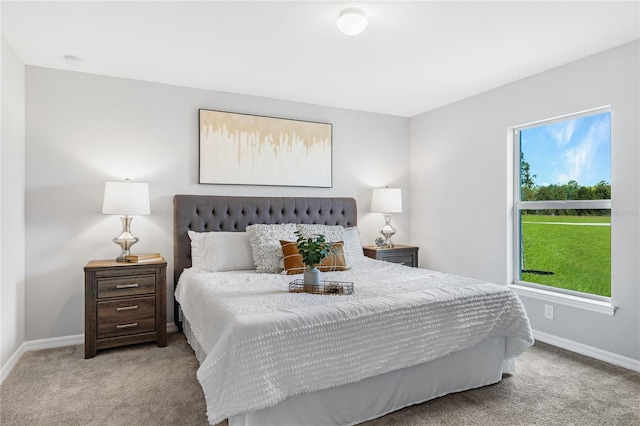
83, 130
12, 201
461, 195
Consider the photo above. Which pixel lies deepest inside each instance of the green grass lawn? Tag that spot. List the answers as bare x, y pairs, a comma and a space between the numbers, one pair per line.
579, 256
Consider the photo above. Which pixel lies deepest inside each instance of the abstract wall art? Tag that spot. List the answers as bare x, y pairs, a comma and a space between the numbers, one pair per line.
243, 149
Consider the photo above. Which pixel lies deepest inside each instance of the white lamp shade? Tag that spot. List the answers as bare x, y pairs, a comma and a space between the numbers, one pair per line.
126, 198
386, 200
352, 21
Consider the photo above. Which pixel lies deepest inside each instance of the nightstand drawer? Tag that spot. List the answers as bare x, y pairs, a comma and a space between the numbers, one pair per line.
405, 259
404, 255
130, 285
134, 315
115, 329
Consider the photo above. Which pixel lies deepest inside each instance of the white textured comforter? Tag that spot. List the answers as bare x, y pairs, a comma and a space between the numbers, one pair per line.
265, 344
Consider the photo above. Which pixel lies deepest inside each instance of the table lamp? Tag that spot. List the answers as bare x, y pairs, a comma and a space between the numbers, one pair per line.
126, 198
387, 201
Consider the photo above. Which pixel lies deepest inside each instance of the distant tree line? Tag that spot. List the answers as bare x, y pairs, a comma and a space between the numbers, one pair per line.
571, 190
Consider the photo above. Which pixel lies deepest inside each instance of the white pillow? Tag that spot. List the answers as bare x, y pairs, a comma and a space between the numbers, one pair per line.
197, 247
227, 251
352, 246
332, 233
265, 244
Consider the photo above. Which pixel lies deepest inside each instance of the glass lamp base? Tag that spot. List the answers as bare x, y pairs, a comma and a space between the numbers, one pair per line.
387, 232
125, 240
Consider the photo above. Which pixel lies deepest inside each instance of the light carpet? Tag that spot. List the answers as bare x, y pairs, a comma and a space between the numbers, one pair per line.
146, 385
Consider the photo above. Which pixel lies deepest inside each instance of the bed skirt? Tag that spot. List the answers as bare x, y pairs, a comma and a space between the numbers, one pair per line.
376, 396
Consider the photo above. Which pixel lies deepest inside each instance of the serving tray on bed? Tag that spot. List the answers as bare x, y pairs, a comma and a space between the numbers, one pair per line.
325, 287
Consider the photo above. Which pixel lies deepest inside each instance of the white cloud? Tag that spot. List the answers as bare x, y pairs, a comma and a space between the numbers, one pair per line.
579, 159
563, 131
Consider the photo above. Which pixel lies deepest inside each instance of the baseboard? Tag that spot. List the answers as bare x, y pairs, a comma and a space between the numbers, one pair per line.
54, 342
590, 351
13, 360
36, 345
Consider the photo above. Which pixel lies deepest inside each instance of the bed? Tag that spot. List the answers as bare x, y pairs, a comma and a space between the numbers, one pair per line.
271, 357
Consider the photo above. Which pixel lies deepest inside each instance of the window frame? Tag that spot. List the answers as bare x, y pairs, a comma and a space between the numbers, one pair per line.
541, 291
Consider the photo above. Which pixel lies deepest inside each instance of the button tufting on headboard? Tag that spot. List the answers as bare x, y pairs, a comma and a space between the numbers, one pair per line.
236, 213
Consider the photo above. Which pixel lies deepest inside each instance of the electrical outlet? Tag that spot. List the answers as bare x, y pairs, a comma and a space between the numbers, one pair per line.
548, 311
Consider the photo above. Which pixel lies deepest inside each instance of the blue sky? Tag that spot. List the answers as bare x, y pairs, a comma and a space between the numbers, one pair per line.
578, 149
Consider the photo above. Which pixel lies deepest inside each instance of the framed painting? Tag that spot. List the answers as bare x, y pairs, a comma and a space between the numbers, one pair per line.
243, 149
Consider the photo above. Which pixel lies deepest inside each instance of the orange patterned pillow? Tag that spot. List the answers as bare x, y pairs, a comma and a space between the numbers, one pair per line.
293, 261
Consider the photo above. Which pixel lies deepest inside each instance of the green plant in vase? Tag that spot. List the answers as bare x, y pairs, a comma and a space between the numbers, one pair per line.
312, 250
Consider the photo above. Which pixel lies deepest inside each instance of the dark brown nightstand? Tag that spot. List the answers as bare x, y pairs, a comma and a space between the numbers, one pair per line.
124, 303
406, 255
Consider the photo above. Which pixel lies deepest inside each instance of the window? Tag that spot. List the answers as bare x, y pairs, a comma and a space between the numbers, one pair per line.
563, 204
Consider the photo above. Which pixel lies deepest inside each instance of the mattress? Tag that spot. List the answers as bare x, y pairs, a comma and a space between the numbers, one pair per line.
264, 344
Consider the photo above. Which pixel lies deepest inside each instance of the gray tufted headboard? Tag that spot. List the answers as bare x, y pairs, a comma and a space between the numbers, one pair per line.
204, 213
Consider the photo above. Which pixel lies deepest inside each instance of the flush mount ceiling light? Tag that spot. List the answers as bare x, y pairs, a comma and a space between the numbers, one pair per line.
73, 60
352, 21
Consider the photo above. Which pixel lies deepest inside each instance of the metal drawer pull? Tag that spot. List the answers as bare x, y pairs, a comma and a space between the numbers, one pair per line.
127, 308
133, 324
121, 286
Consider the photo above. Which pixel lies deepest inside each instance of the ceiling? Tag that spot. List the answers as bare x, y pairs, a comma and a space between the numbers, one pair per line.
411, 58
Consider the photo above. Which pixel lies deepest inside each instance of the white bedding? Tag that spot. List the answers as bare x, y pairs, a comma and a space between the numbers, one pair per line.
265, 344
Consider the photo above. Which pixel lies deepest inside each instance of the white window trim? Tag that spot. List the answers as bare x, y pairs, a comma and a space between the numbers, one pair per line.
592, 111
599, 306
587, 302
563, 204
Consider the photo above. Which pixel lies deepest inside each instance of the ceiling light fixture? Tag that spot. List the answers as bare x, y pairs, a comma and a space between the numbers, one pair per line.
73, 60
352, 21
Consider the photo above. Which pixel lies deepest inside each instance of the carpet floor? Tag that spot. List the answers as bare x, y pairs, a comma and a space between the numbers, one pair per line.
146, 385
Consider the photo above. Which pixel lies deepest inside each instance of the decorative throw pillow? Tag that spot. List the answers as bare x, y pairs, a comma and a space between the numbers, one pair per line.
352, 245
227, 251
264, 239
331, 233
293, 261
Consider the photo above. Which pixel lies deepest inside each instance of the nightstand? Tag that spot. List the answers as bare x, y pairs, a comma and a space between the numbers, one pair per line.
124, 303
406, 255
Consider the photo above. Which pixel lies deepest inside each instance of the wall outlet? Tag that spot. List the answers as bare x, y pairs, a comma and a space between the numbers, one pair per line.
548, 311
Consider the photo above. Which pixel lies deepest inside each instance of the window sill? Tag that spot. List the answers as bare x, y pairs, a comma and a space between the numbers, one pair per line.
584, 303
